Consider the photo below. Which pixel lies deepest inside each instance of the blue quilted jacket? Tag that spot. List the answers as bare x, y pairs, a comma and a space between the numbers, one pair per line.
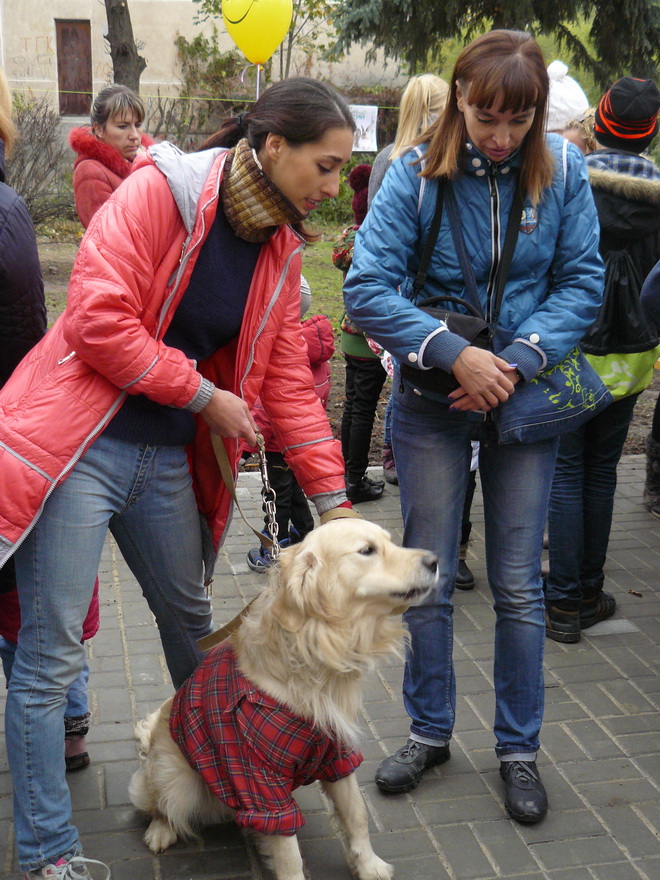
554, 286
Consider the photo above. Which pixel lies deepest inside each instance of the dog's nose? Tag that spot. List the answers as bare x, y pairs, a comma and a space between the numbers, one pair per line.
430, 561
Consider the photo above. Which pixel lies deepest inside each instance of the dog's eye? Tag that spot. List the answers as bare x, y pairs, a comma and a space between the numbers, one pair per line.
368, 550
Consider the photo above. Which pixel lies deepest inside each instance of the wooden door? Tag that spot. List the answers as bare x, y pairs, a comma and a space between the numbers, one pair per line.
74, 67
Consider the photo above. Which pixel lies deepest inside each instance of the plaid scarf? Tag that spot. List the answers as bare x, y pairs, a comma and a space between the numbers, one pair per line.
253, 205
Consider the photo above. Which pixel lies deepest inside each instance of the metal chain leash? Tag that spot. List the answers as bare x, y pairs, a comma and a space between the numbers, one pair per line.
269, 497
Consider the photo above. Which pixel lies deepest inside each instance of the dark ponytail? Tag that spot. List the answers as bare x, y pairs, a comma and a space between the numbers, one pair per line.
299, 109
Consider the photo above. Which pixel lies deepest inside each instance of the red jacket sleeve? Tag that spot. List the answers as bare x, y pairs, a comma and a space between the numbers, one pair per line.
117, 289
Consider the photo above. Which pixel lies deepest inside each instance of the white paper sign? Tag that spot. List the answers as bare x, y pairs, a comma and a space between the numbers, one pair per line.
365, 118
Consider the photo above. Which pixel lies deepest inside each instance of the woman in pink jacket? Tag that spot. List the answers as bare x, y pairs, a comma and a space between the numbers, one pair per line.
107, 148
183, 307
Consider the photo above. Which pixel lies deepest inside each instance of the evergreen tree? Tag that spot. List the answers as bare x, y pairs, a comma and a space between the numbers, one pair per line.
624, 36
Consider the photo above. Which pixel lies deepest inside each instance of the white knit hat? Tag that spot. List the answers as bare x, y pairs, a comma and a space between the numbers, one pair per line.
566, 100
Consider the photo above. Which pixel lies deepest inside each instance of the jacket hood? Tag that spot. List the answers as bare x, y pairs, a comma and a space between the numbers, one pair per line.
186, 175
2, 161
625, 186
83, 142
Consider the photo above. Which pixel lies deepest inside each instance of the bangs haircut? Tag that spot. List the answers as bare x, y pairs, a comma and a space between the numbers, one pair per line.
503, 69
116, 100
508, 87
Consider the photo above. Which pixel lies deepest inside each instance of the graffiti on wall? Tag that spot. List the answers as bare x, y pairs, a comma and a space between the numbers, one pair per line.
36, 59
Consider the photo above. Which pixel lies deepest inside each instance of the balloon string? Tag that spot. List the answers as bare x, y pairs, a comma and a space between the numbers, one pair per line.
258, 66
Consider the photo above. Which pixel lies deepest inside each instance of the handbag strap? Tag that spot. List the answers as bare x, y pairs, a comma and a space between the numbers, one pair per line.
471, 292
427, 253
472, 296
510, 239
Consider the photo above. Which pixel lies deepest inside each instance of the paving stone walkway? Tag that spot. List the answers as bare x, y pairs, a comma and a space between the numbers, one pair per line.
600, 759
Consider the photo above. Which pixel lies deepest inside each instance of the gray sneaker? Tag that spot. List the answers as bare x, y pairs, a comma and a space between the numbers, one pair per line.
74, 868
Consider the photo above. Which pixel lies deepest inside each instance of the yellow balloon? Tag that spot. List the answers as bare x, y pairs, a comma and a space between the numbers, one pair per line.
257, 26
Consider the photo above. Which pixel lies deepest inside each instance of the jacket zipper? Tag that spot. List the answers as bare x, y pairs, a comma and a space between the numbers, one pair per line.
495, 246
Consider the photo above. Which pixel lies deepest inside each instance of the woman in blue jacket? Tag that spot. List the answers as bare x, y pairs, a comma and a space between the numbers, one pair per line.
489, 140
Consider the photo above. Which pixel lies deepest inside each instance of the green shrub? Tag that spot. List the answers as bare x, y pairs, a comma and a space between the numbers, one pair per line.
40, 167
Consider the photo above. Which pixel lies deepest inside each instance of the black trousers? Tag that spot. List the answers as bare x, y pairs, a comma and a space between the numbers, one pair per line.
291, 505
365, 378
655, 427
466, 522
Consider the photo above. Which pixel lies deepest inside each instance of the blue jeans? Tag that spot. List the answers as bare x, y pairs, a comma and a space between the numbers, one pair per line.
582, 502
77, 703
144, 494
433, 452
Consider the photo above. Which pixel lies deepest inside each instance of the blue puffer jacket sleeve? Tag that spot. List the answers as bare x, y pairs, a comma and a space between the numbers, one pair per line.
555, 282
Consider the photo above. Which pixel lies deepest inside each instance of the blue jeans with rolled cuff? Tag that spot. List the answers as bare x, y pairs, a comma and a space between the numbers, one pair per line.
433, 452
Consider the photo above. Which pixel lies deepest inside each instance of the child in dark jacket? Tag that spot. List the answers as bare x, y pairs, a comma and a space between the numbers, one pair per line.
292, 514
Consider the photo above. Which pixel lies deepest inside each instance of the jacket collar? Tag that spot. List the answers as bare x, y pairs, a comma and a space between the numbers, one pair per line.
477, 164
83, 142
187, 175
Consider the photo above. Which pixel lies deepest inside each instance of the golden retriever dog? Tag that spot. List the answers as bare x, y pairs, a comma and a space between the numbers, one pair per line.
276, 706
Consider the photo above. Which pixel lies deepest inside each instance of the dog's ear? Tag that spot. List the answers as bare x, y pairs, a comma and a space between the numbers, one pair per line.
295, 570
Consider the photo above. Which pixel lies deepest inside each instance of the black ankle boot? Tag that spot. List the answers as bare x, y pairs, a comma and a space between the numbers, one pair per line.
365, 489
403, 770
464, 577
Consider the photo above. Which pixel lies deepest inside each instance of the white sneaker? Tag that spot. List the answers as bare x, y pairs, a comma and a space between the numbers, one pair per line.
73, 869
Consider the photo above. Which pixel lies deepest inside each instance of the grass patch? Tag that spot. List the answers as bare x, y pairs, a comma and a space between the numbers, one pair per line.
325, 281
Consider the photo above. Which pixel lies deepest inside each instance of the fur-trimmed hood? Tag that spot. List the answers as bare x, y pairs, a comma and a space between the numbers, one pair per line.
625, 186
83, 142
628, 207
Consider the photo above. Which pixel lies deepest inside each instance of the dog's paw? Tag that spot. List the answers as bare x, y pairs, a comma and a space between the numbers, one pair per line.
159, 835
373, 868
